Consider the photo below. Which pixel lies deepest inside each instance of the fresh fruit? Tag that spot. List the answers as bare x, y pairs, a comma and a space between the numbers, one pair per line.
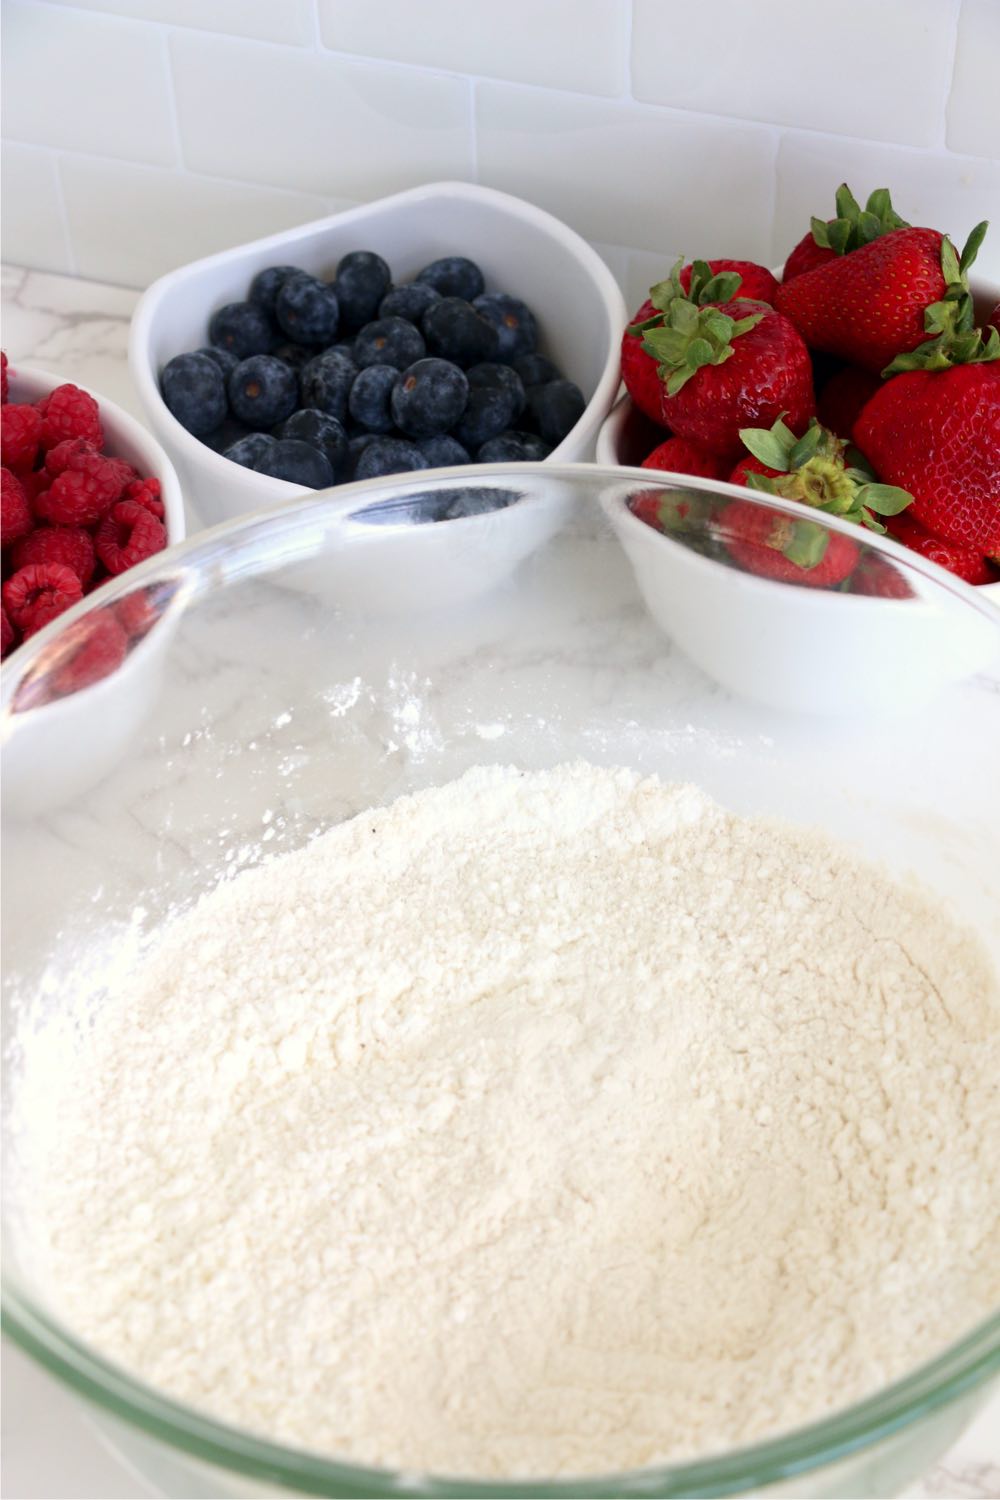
146, 492
16, 519
936, 433
517, 331
319, 430
814, 470
369, 400
388, 341
4, 391
325, 382
20, 435
67, 412
409, 302
79, 496
266, 285
295, 462
453, 276
849, 230
442, 450
789, 551
248, 449
680, 456
428, 398
457, 331
535, 369
513, 447
756, 284
362, 280
843, 396
883, 299
387, 455
244, 328
307, 310
707, 366
554, 409
127, 535
496, 398
71, 546
38, 593
194, 389
964, 561
8, 635
224, 358
263, 391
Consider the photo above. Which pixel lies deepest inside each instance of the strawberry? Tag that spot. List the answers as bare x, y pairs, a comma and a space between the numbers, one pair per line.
936, 432
852, 227
883, 299
756, 282
679, 456
843, 396
791, 551
814, 470
640, 372
964, 561
720, 364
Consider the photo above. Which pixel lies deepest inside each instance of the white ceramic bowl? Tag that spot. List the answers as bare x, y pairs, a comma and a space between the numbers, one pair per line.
521, 250
66, 745
627, 437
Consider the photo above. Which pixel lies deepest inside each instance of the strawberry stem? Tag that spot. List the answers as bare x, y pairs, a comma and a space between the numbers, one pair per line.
951, 322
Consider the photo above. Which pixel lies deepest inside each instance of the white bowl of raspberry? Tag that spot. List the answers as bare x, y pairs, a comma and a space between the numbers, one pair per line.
504, 284
90, 495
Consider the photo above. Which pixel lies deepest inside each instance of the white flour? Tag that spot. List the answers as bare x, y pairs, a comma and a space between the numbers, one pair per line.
538, 1123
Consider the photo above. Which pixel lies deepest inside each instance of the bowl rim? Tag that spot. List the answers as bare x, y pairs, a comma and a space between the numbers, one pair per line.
962, 1366
215, 466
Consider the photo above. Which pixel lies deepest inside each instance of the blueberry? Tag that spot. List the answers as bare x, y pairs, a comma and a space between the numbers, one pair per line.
355, 447
492, 406
388, 455
194, 389
307, 309
242, 328
362, 280
295, 355
326, 380
535, 369
321, 430
296, 462
442, 452
267, 284
388, 341
225, 360
514, 322
513, 448
263, 391
368, 402
454, 330
555, 408
429, 397
223, 437
454, 276
409, 302
247, 450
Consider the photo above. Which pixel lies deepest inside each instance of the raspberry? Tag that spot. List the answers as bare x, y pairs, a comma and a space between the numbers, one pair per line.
127, 535
60, 457
3, 386
35, 595
15, 511
69, 412
21, 429
70, 546
8, 635
93, 649
146, 492
83, 492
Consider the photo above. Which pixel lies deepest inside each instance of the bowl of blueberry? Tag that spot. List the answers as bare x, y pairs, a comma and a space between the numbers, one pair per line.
447, 325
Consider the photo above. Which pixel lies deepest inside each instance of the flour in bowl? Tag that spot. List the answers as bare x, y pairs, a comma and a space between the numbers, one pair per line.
540, 1123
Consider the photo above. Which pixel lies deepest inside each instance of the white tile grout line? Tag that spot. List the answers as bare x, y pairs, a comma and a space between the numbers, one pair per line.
172, 116
54, 158
956, 21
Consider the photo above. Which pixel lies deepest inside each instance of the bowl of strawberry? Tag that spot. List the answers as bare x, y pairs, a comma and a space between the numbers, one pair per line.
879, 356
88, 495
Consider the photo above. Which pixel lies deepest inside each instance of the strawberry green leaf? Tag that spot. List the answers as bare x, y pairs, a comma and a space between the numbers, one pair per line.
885, 499
820, 232
951, 268
771, 448
972, 245
846, 204
839, 235
867, 519
722, 287
806, 447
807, 544
853, 227
762, 482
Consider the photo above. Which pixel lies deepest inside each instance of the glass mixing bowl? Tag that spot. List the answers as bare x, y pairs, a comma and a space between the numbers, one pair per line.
343, 649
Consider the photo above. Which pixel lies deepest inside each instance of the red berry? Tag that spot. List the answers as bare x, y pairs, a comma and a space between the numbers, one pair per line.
93, 649
60, 457
84, 491
8, 635
759, 540
680, 456
959, 559
842, 398
37, 594
756, 282
15, 511
3, 377
127, 535
146, 492
20, 435
71, 546
68, 412
806, 256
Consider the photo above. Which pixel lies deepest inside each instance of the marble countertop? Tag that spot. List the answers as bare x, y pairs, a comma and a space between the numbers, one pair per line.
79, 330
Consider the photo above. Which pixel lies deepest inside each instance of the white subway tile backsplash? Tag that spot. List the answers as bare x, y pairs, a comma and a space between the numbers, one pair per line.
946, 192
561, 44
974, 104
131, 224
34, 233
315, 124
86, 83
855, 68
624, 175
267, 20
